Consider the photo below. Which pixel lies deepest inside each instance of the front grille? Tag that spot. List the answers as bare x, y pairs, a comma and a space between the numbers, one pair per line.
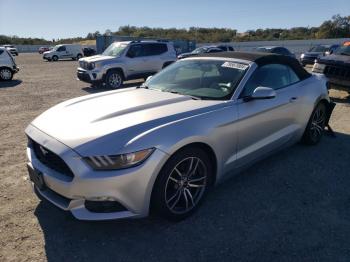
337, 72
50, 159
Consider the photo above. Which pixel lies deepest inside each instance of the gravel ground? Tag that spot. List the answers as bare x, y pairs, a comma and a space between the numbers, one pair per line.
293, 206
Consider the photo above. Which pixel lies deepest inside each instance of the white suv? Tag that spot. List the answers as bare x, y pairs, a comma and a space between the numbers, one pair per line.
125, 61
8, 65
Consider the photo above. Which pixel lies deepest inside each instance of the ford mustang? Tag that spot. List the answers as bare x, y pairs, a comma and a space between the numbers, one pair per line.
161, 146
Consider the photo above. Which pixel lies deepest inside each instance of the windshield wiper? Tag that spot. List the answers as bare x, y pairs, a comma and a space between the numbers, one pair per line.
143, 86
177, 93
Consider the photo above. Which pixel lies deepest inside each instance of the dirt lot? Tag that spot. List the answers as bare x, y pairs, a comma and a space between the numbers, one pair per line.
293, 206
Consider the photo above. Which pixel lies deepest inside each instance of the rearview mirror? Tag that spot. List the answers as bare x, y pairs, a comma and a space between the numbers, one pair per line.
262, 92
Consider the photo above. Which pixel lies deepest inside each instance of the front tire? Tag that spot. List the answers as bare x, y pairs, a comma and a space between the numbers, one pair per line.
6, 74
55, 58
114, 79
79, 56
315, 127
182, 184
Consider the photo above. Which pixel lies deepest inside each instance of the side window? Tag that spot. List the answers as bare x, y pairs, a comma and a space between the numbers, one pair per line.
61, 49
214, 50
1, 51
275, 76
134, 51
159, 48
292, 75
154, 49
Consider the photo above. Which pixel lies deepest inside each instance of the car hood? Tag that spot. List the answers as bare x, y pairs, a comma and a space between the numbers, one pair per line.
183, 55
96, 58
118, 116
335, 59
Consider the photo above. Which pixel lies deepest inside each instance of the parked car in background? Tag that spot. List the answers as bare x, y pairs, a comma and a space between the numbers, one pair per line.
275, 50
201, 50
12, 49
65, 51
316, 52
335, 66
126, 60
8, 65
227, 48
162, 146
88, 51
43, 49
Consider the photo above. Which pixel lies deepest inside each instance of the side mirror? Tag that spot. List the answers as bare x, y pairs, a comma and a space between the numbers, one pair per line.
261, 92
148, 78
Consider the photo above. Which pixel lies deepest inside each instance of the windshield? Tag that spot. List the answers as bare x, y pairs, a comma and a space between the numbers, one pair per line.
56, 47
115, 49
320, 49
343, 50
204, 79
199, 50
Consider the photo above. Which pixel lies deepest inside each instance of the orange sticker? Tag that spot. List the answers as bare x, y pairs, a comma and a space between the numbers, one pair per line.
346, 43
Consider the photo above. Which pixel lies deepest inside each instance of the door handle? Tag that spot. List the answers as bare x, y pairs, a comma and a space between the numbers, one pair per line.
293, 99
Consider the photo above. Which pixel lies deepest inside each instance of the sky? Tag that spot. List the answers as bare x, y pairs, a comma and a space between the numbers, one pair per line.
73, 18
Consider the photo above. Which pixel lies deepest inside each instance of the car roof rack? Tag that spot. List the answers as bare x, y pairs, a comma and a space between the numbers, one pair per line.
150, 40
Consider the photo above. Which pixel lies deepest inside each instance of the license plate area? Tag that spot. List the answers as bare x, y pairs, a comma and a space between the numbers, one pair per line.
36, 177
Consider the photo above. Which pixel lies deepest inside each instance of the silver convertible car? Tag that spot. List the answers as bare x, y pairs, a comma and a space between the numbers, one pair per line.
161, 146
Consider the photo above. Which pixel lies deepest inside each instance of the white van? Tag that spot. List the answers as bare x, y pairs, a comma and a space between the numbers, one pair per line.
72, 51
8, 65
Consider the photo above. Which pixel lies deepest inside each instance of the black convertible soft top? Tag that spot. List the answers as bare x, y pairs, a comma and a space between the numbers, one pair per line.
263, 59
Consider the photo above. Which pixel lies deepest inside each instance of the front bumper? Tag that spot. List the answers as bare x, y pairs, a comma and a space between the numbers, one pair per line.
336, 74
15, 69
130, 187
89, 76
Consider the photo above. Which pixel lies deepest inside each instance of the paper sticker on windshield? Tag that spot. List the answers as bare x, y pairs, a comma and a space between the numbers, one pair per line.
235, 65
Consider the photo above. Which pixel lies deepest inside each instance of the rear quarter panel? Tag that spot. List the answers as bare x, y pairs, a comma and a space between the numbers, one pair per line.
310, 92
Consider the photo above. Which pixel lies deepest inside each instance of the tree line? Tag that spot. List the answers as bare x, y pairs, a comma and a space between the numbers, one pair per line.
337, 27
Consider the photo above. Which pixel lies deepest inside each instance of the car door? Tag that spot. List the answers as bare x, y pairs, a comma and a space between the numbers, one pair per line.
136, 60
267, 124
153, 56
62, 52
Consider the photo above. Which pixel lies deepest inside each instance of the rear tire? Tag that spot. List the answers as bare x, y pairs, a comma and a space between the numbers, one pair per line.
315, 127
182, 184
6, 74
114, 79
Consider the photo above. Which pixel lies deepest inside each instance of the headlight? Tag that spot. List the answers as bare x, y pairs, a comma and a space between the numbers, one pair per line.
114, 162
302, 56
91, 66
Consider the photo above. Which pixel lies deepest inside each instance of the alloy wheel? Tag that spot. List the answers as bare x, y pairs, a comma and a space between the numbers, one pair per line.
114, 80
317, 123
185, 185
5, 74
